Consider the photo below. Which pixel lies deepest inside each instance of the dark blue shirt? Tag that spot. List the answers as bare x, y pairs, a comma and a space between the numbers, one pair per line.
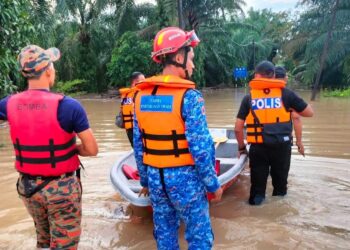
70, 114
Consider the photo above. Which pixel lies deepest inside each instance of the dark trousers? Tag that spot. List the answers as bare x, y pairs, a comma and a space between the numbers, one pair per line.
129, 132
262, 158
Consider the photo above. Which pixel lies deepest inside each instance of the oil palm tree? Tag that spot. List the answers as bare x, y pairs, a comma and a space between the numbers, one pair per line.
320, 42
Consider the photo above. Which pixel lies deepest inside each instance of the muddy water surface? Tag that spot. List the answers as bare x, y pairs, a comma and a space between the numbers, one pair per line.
314, 215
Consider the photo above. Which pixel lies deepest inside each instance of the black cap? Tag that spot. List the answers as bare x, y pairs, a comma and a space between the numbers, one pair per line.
280, 72
135, 75
266, 69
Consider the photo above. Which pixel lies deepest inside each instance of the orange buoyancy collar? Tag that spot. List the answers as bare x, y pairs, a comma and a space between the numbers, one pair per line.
263, 83
168, 81
42, 147
158, 107
127, 106
269, 122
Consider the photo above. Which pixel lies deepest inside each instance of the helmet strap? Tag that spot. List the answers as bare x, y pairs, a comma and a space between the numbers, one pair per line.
184, 64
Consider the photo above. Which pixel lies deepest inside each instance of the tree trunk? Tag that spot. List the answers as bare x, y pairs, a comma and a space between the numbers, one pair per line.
324, 52
179, 13
223, 13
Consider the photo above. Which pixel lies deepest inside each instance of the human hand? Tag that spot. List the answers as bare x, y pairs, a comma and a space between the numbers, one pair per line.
242, 150
144, 191
217, 195
300, 148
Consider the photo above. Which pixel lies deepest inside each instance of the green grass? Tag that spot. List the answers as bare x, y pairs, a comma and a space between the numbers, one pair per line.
337, 93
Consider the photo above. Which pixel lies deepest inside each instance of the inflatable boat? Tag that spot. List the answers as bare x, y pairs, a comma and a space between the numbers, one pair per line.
125, 179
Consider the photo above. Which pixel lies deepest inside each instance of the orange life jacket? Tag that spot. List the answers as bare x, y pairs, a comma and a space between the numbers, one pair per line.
127, 106
158, 110
268, 121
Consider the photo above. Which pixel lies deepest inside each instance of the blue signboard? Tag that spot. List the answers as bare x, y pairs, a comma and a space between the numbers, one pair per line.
240, 73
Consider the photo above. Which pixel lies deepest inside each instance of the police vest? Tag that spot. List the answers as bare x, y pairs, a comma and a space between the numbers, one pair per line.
158, 110
127, 106
42, 147
268, 121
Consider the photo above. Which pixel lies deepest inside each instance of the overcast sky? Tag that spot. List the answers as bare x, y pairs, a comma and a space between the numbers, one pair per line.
275, 5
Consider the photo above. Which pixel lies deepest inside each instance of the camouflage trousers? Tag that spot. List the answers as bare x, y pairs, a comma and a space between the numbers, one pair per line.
56, 211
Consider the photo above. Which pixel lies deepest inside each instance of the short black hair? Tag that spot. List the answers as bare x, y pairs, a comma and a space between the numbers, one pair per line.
135, 75
266, 69
169, 58
280, 72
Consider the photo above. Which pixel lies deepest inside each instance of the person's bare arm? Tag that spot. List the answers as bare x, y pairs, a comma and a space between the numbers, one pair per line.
307, 112
298, 126
88, 146
239, 127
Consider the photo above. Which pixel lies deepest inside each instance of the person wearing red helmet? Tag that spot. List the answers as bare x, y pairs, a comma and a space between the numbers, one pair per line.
174, 150
172, 40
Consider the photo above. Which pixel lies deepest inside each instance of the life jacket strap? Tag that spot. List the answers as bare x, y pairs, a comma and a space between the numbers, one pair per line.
161, 174
128, 117
174, 137
171, 137
167, 151
18, 146
49, 160
44, 148
255, 125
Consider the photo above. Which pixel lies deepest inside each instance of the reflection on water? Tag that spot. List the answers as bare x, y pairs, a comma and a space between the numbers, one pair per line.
314, 215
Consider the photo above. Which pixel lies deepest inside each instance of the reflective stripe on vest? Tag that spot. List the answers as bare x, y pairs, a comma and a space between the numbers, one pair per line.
158, 110
266, 101
42, 147
127, 106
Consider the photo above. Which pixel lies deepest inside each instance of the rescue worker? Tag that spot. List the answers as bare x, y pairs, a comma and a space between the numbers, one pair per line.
281, 73
127, 104
174, 150
266, 111
43, 127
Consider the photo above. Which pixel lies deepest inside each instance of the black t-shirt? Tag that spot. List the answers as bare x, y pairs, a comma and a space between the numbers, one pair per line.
290, 101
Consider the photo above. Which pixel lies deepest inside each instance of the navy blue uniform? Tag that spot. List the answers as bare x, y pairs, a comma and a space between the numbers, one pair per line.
184, 197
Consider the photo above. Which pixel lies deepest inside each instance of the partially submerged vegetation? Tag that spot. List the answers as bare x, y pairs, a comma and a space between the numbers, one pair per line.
337, 93
72, 88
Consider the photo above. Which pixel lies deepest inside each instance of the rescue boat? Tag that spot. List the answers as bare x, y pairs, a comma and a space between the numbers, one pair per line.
126, 181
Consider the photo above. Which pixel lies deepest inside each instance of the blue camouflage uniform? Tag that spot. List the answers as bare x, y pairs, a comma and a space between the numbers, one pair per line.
184, 197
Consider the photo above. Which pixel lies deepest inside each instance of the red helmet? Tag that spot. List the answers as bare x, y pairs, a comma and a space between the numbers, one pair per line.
170, 40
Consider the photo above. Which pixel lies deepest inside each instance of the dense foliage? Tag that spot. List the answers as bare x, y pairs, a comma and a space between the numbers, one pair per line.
104, 41
130, 54
15, 30
309, 37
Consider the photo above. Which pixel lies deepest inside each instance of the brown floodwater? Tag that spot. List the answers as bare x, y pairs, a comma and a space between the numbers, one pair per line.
314, 214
